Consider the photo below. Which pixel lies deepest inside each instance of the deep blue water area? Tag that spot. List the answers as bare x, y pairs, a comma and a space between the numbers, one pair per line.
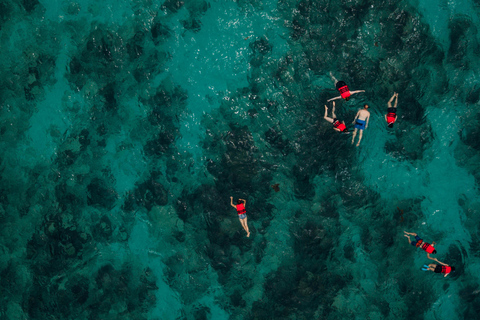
125, 127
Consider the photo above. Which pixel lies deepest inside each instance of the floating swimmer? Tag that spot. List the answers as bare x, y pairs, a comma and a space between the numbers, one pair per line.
337, 124
427, 247
391, 115
242, 213
361, 123
342, 87
444, 268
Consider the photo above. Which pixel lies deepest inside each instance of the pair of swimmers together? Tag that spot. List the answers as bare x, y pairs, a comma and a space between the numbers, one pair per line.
363, 115
429, 249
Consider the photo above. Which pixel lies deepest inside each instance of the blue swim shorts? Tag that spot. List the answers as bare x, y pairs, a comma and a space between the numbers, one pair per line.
414, 243
242, 216
360, 124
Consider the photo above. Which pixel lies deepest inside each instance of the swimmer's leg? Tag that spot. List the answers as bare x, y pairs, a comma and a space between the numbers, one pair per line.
245, 226
329, 119
333, 111
354, 134
333, 78
360, 137
326, 117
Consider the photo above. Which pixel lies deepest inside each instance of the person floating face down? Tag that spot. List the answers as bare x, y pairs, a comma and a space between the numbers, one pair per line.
391, 115
443, 268
419, 243
242, 213
361, 123
337, 124
342, 87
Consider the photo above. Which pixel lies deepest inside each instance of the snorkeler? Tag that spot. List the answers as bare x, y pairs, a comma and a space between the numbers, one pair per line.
391, 115
337, 124
242, 213
342, 87
444, 268
427, 247
361, 123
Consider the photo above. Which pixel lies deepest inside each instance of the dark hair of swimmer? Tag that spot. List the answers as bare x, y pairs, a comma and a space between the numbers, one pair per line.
453, 269
239, 201
434, 251
366, 106
390, 125
346, 99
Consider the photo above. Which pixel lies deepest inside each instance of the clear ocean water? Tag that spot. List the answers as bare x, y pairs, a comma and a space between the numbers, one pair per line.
126, 127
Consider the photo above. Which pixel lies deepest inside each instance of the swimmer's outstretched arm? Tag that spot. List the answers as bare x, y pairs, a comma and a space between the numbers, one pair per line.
339, 97
356, 91
333, 78
244, 201
428, 256
440, 262
231, 202
368, 119
410, 233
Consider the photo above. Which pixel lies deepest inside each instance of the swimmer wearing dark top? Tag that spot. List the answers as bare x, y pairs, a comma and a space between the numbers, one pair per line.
391, 115
443, 268
342, 87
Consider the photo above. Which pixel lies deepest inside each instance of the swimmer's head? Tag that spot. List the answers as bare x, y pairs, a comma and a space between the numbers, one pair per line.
239, 201
365, 106
434, 251
347, 98
453, 269
390, 125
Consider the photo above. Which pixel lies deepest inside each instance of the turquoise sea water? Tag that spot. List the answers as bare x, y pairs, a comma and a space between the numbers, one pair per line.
126, 126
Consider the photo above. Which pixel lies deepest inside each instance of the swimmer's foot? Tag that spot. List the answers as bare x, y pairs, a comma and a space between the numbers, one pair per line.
248, 234
357, 144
